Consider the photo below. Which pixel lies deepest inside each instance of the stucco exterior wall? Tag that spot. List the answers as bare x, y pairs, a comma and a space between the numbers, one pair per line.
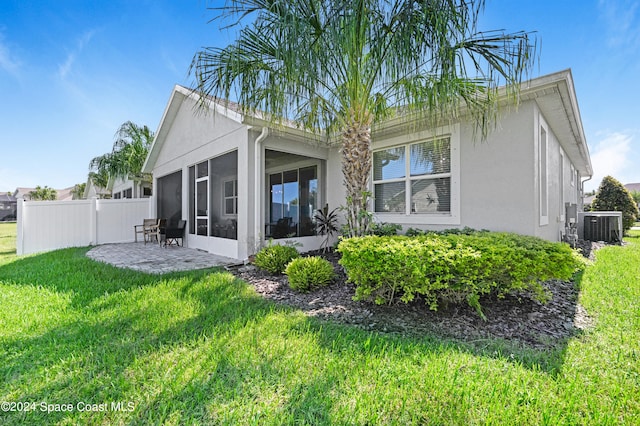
193, 138
499, 178
497, 175
562, 182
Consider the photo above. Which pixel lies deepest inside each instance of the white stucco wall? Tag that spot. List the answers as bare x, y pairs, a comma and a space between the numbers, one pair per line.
194, 137
498, 178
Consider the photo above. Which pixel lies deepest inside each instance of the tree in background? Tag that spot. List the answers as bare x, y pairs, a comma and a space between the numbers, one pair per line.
636, 197
127, 156
613, 196
78, 191
43, 194
339, 67
100, 179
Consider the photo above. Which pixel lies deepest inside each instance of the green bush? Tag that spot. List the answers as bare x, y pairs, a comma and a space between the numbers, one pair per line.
414, 232
613, 196
384, 229
274, 258
307, 272
455, 266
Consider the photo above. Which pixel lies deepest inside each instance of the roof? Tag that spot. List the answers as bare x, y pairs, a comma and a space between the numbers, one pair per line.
554, 94
556, 97
178, 96
633, 187
7, 197
65, 194
62, 194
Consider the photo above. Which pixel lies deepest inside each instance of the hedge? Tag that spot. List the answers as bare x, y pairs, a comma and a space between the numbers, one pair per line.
454, 266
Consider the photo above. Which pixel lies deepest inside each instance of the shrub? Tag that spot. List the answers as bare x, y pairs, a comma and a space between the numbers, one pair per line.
413, 232
326, 224
307, 272
385, 229
613, 196
274, 258
454, 266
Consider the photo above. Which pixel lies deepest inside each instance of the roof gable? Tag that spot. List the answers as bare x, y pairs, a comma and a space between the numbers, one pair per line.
178, 96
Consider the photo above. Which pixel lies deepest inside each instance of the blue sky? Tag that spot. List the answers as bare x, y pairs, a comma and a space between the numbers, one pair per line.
72, 71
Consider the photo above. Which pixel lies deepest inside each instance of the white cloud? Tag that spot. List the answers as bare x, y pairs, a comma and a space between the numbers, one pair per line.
621, 18
81, 43
7, 61
611, 156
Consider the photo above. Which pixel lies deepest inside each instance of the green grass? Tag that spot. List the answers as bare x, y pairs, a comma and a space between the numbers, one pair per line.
203, 348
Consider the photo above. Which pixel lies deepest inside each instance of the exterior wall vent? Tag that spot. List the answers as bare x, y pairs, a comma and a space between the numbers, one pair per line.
600, 226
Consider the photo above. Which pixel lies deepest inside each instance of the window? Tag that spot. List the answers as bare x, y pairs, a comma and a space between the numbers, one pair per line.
202, 198
213, 197
561, 189
573, 176
414, 178
543, 175
169, 198
292, 202
231, 197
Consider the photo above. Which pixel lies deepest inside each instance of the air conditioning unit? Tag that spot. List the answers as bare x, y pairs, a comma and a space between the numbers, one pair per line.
600, 226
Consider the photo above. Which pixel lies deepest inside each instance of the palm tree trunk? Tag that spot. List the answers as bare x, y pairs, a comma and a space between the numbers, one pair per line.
356, 168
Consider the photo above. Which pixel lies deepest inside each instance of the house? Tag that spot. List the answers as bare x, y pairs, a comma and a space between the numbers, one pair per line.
130, 188
8, 207
65, 194
119, 188
91, 190
239, 181
632, 187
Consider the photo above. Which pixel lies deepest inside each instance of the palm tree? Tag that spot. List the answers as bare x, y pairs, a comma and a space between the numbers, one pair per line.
127, 156
43, 193
78, 191
100, 179
339, 67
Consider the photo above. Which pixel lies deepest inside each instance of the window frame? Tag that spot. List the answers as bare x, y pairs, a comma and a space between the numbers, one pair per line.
452, 217
543, 170
233, 197
561, 195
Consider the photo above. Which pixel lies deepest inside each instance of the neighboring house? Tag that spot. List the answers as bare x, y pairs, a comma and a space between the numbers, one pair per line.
93, 191
633, 187
119, 188
586, 202
62, 194
130, 188
65, 194
23, 193
239, 181
8, 207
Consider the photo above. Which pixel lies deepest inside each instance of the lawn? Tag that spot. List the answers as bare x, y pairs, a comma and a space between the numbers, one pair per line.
86, 343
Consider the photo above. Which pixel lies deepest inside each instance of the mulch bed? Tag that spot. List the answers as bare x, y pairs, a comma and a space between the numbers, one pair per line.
518, 319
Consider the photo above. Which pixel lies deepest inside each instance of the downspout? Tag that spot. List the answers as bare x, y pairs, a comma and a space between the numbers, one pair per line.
582, 182
258, 187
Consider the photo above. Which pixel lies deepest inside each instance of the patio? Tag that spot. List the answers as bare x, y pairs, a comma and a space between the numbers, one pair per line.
154, 259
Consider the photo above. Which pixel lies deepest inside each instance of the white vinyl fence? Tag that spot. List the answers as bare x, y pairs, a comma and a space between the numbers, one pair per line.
51, 225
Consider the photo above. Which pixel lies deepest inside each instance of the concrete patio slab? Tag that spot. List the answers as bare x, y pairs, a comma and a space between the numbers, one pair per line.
154, 259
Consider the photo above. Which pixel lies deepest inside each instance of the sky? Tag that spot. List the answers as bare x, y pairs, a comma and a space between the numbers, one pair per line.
73, 71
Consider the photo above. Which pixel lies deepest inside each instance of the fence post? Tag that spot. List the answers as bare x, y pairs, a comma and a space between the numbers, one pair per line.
152, 205
19, 225
93, 221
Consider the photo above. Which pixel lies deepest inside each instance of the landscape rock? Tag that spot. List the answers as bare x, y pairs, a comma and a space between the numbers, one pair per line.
517, 319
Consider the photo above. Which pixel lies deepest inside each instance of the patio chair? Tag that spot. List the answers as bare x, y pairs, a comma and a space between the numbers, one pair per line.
172, 235
156, 230
144, 228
